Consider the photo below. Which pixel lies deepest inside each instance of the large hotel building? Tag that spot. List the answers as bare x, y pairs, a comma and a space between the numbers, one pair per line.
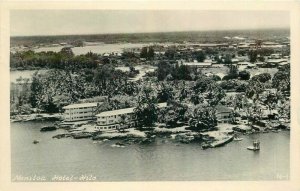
122, 118
80, 112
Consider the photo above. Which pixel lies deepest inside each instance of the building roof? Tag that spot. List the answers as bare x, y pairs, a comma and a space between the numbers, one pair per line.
124, 111
197, 63
234, 60
223, 109
244, 63
276, 60
80, 105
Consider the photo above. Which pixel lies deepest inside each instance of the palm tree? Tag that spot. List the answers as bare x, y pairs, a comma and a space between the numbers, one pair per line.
123, 123
258, 43
146, 111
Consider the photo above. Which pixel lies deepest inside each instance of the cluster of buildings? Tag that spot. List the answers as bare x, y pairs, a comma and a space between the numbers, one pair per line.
122, 118
272, 61
107, 120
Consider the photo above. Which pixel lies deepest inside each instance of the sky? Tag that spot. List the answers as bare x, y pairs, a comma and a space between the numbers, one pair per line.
66, 22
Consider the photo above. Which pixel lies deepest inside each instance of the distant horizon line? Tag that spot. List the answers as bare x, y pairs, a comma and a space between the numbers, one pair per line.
119, 33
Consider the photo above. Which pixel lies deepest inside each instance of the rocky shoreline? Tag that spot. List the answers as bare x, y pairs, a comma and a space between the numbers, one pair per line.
208, 139
37, 117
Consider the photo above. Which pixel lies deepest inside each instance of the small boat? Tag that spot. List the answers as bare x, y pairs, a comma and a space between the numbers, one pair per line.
35, 141
255, 147
48, 128
221, 142
119, 145
81, 135
205, 146
236, 138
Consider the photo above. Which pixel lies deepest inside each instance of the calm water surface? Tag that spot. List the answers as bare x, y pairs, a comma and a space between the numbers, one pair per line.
98, 49
155, 162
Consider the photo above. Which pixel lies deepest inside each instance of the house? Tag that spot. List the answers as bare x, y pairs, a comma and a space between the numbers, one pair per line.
250, 65
80, 112
116, 119
261, 64
223, 114
275, 62
234, 60
275, 56
244, 63
205, 64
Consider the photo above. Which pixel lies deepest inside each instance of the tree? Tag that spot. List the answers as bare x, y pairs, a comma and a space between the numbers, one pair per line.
150, 53
232, 73
146, 111
254, 89
171, 118
202, 84
165, 93
173, 113
246, 107
202, 118
227, 59
195, 99
170, 53
123, 122
215, 77
36, 89
184, 73
271, 101
281, 80
252, 56
163, 70
244, 75
67, 51
147, 52
215, 94
200, 56
143, 53
264, 77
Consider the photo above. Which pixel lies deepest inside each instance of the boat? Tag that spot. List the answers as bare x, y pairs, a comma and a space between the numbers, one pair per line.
119, 145
81, 135
205, 146
48, 128
255, 147
236, 138
221, 142
36, 141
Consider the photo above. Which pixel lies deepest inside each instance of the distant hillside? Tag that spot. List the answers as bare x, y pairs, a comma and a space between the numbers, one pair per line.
191, 36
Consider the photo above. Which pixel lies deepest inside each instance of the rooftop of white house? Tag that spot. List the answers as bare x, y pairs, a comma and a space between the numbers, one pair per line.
124, 111
197, 63
81, 105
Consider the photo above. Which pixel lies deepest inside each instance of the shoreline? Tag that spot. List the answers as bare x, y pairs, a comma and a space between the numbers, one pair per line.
209, 139
36, 117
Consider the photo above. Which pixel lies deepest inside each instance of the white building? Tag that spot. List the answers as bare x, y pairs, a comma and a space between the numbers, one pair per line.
115, 119
204, 64
80, 112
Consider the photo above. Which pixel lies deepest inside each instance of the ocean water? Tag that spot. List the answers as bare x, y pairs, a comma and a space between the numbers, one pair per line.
75, 160
98, 49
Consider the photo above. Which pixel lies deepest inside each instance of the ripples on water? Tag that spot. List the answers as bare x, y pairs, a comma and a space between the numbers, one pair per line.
154, 162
